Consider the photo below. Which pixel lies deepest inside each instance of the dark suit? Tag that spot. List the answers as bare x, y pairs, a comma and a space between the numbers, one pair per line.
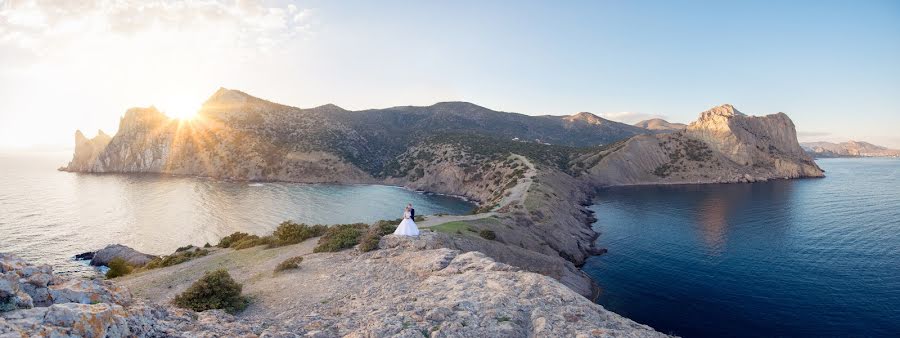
412, 214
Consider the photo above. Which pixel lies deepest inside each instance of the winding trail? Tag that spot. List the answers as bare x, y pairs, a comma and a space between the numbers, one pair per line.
517, 194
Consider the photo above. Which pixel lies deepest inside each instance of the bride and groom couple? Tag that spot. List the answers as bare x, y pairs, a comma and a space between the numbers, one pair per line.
408, 227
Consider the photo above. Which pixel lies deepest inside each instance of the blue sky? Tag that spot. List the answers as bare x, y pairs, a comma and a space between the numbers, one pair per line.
833, 66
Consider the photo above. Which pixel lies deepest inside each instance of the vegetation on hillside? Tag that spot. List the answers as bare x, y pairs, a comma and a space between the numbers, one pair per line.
290, 263
681, 151
117, 268
215, 290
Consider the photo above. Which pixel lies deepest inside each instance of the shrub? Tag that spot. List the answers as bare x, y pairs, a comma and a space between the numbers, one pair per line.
384, 227
488, 234
175, 259
339, 237
290, 263
289, 232
187, 247
369, 242
227, 241
207, 245
215, 290
118, 267
252, 241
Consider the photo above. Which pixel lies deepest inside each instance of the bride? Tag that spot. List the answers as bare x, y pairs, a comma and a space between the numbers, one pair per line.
407, 227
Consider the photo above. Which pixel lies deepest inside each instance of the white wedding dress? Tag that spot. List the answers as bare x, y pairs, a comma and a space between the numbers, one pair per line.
407, 227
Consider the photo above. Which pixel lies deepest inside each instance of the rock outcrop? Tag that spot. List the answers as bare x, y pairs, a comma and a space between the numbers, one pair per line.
34, 302
409, 287
722, 146
113, 251
87, 150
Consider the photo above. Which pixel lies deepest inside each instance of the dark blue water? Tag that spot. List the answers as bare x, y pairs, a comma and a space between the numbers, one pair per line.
814, 257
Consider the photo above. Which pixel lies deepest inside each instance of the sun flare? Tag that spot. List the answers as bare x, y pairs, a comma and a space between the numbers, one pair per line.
180, 109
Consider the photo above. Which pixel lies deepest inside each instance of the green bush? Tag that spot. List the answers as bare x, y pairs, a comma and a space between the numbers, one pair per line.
118, 267
290, 263
488, 234
227, 241
339, 237
369, 241
383, 227
215, 290
289, 232
175, 259
252, 241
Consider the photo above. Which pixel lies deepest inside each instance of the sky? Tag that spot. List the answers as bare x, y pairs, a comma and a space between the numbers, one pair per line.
832, 66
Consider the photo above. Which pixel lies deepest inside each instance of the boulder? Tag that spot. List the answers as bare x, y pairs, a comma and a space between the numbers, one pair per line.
110, 252
89, 291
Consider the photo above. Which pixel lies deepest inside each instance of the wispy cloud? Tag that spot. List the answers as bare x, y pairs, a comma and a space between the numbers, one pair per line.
39, 27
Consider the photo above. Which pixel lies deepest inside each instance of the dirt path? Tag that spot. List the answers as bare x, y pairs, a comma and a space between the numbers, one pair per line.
517, 194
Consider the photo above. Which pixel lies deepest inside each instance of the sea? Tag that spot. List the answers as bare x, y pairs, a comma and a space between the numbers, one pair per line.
786, 258
48, 216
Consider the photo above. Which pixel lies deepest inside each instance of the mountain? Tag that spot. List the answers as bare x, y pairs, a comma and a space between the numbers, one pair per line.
660, 125
848, 149
238, 136
723, 145
531, 176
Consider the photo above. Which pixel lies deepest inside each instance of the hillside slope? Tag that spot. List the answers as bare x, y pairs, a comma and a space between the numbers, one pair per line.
722, 146
848, 149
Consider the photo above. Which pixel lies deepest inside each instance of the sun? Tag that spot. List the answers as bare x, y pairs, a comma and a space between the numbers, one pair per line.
180, 109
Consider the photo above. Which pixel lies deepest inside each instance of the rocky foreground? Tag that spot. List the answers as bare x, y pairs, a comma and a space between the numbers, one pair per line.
409, 288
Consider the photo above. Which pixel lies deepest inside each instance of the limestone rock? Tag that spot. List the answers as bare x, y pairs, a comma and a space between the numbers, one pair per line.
722, 146
110, 252
88, 291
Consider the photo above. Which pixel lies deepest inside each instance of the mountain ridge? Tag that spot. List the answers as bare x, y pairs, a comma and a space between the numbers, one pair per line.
848, 149
462, 149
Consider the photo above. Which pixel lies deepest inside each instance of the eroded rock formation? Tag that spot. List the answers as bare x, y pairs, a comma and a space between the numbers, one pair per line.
722, 146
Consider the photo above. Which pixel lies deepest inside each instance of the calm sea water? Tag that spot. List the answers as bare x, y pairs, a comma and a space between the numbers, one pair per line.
48, 216
815, 257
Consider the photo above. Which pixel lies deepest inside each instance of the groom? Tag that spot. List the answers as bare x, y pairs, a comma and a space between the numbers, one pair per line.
412, 212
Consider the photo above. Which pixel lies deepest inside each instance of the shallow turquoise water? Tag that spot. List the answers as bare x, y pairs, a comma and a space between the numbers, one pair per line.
47, 216
813, 257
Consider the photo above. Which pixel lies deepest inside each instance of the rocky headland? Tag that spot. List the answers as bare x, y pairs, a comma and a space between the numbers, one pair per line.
848, 149
408, 288
532, 176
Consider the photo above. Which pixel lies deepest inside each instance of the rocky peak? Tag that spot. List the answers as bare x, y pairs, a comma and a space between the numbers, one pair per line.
225, 96
725, 110
138, 118
79, 137
586, 118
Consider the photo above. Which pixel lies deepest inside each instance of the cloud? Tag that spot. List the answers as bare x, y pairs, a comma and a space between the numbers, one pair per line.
42, 26
631, 117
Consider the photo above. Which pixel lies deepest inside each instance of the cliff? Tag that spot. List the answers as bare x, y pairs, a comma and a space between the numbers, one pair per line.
722, 146
408, 288
87, 150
